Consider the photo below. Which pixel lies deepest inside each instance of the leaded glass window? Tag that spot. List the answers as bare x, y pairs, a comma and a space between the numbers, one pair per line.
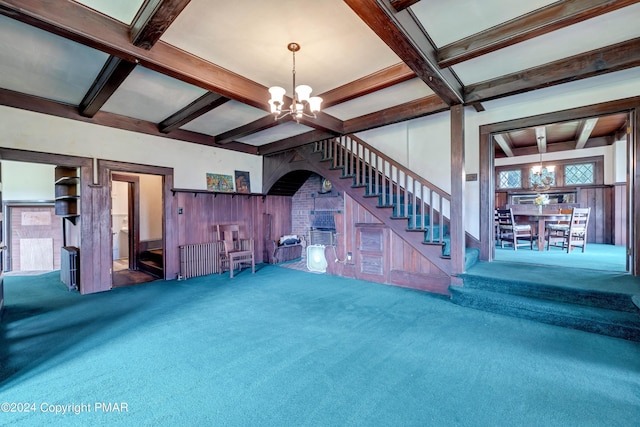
510, 179
576, 174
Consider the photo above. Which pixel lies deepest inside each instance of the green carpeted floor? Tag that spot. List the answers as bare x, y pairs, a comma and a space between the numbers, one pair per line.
284, 347
595, 257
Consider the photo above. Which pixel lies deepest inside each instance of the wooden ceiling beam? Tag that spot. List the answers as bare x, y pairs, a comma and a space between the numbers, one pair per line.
113, 73
324, 122
504, 142
85, 26
52, 108
407, 39
261, 124
541, 139
153, 19
197, 108
400, 5
583, 132
293, 142
612, 58
382, 79
541, 21
411, 110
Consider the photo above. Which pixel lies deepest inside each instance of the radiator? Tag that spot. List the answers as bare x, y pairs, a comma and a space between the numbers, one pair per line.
69, 272
199, 260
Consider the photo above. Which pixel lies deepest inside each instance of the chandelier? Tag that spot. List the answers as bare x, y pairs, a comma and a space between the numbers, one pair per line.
542, 176
302, 104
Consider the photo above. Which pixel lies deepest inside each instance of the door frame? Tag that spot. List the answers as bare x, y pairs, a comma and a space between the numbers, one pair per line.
170, 254
630, 106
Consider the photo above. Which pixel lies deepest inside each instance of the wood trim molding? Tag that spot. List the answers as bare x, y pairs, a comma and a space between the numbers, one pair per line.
153, 19
612, 58
39, 105
542, 21
400, 32
113, 73
207, 102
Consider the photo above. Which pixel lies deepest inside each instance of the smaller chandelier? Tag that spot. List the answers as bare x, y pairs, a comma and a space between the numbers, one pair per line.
542, 176
302, 105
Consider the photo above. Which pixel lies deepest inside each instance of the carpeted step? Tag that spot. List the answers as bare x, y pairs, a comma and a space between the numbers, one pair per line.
620, 324
555, 293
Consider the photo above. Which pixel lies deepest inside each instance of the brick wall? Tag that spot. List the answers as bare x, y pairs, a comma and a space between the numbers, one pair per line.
308, 200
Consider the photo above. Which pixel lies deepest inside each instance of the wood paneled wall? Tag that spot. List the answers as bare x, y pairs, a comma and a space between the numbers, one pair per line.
406, 266
201, 212
620, 226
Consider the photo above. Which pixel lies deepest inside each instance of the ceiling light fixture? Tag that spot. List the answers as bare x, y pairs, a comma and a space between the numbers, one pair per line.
542, 177
302, 104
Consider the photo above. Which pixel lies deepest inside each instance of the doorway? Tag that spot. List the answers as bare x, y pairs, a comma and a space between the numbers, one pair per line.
621, 190
136, 228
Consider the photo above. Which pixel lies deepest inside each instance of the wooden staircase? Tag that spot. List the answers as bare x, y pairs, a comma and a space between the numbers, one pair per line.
409, 205
151, 262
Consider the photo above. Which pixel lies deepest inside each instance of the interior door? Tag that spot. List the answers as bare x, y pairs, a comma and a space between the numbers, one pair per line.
372, 258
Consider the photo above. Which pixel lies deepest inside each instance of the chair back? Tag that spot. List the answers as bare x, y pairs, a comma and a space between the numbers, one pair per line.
230, 235
579, 221
504, 217
233, 242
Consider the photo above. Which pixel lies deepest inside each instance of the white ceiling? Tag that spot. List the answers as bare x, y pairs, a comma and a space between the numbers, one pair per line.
249, 38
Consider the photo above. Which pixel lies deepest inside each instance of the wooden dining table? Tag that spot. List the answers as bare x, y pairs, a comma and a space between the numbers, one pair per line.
539, 220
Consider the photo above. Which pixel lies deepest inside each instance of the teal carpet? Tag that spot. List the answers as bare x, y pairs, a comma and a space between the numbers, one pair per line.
596, 257
284, 348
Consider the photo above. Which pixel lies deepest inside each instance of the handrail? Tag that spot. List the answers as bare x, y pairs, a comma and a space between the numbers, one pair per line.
413, 197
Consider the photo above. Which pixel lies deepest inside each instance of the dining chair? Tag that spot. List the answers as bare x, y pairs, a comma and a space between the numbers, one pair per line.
511, 232
555, 232
577, 234
235, 251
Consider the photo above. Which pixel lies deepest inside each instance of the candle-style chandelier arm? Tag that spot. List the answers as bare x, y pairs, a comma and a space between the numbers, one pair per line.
302, 103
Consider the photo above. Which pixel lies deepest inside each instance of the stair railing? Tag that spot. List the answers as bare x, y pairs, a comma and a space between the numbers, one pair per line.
424, 205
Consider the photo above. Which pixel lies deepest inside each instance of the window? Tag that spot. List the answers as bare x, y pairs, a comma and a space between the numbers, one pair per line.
582, 173
510, 179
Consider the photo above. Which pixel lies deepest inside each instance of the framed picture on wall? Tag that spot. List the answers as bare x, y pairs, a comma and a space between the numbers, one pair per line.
220, 183
243, 183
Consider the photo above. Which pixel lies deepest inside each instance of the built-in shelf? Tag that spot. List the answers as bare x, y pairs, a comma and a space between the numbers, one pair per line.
215, 193
66, 193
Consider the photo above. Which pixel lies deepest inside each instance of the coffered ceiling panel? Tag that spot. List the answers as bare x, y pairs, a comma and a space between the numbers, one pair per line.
250, 38
39, 63
122, 10
225, 118
452, 20
151, 96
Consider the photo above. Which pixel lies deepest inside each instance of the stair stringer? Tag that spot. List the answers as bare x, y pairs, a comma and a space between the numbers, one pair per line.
307, 159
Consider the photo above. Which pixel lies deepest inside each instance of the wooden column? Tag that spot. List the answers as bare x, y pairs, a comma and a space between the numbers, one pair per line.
634, 178
456, 220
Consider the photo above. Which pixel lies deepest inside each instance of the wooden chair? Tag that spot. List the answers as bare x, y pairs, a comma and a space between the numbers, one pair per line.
511, 232
236, 252
577, 234
556, 232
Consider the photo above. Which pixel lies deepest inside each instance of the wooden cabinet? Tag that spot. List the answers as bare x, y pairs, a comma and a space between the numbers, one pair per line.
66, 193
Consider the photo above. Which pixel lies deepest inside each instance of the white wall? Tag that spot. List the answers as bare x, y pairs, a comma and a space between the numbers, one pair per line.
27, 181
150, 220
26, 130
424, 144
150, 207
